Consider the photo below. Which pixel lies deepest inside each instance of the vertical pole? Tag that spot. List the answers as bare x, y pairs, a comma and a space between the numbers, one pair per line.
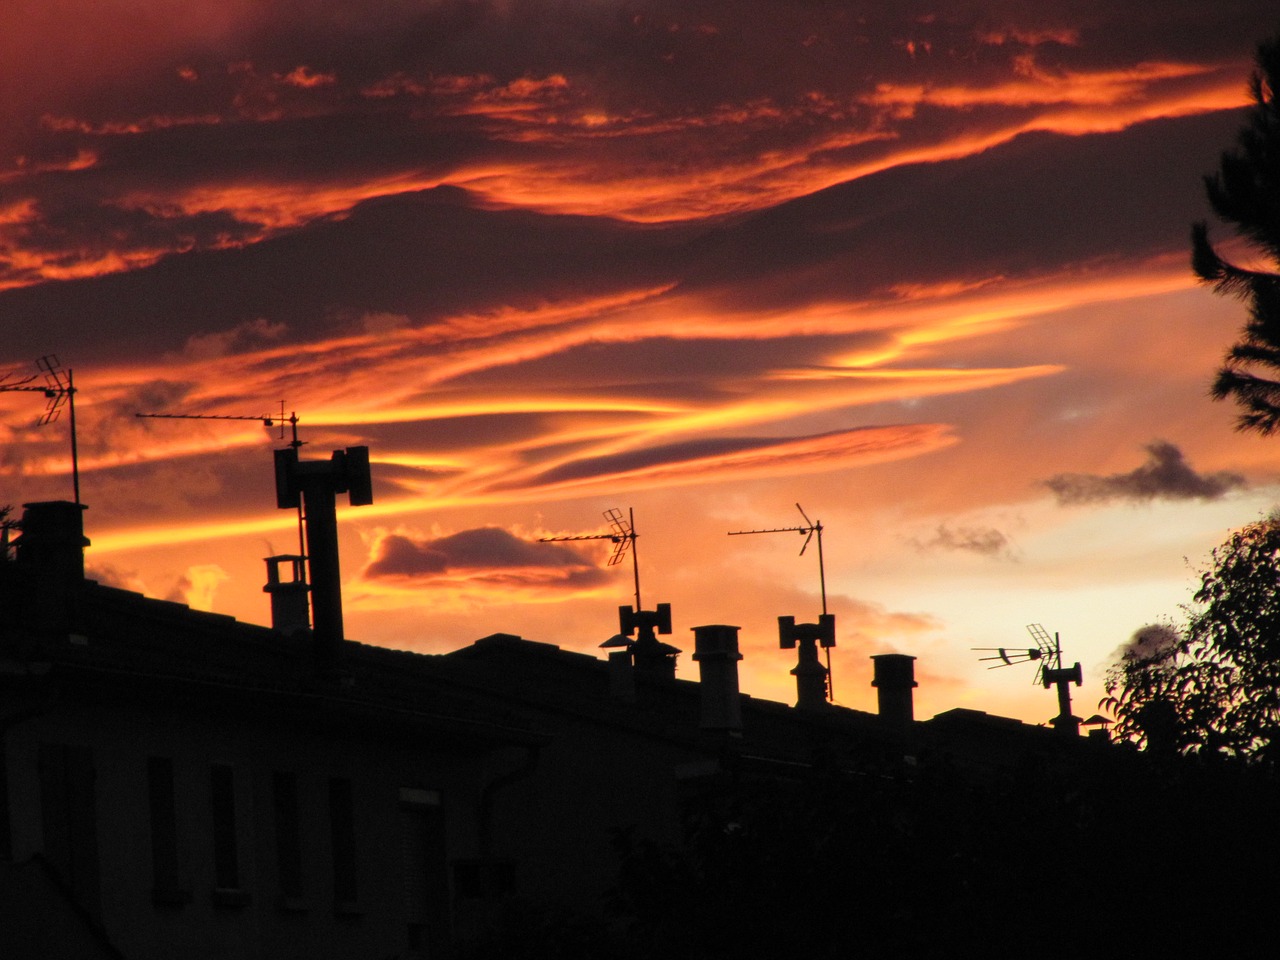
75, 455
635, 556
822, 580
322, 561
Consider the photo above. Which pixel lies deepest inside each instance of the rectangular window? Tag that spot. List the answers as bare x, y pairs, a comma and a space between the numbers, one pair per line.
288, 835
342, 831
425, 864
6, 834
163, 809
222, 797
69, 817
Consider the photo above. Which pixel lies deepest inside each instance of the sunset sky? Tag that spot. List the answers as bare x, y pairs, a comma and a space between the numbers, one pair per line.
921, 268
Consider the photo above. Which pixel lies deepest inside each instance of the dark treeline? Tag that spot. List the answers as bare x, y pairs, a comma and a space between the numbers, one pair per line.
1108, 853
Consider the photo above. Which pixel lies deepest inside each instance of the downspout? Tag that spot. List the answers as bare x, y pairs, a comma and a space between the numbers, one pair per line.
488, 797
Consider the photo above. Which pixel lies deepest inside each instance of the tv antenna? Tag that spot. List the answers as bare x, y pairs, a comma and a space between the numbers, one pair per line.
267, 420
826, 624
1047, 654
623, 537
810, 529
650, 655
60, 390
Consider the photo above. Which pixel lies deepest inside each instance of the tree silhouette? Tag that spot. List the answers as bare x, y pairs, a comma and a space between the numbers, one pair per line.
1214, 689
7, 526
1245, 192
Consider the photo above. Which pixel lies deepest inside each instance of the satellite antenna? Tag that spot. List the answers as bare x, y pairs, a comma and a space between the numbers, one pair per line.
1047, 654
60, 390
824, 630
267, 420
651, 656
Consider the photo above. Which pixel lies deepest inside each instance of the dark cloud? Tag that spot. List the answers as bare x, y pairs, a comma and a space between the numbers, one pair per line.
1044, 202
696, 362
426, 256
1147, 643
486, 553
1041, 202
1165, 476
686, 452
984, 541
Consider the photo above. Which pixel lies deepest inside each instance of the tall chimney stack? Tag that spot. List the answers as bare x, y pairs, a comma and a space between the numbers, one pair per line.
895, 678
314, 484
717, 656
50, 554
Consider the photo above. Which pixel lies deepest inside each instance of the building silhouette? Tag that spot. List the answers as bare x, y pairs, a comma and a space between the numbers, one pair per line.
181, 784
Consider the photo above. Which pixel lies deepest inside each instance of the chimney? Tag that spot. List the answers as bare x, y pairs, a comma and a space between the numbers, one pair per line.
314, 485
895, 678
717, 656
50, 554
810, 674
290, 612
622, 678
653, 659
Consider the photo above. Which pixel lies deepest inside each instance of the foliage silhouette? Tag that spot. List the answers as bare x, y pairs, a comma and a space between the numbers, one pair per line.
940, 859
1214, 688
1245, 192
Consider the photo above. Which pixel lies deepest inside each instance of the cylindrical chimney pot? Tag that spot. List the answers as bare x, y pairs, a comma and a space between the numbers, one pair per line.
717, 656
894, 680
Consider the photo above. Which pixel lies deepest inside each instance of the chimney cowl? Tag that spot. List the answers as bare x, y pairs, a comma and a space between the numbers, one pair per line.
717, 656
290, 606
894, 680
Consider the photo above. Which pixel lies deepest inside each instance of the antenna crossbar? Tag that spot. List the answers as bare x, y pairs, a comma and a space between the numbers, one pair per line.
266, 419
624, 536
1047, 654
810, 529
60, 390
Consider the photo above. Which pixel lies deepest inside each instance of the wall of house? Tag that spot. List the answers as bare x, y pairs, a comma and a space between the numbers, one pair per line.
592, 779
87, 788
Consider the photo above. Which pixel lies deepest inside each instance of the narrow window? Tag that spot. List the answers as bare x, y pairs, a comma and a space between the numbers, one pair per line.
288, 835
343, 838
426, 880
69, 816
6, 834
164, 830
226, 864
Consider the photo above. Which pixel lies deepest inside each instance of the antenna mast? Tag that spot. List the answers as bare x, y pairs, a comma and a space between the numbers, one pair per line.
651, 656
1049, 672
809, 530
825, 629
267, 420
60, 390
623, 536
